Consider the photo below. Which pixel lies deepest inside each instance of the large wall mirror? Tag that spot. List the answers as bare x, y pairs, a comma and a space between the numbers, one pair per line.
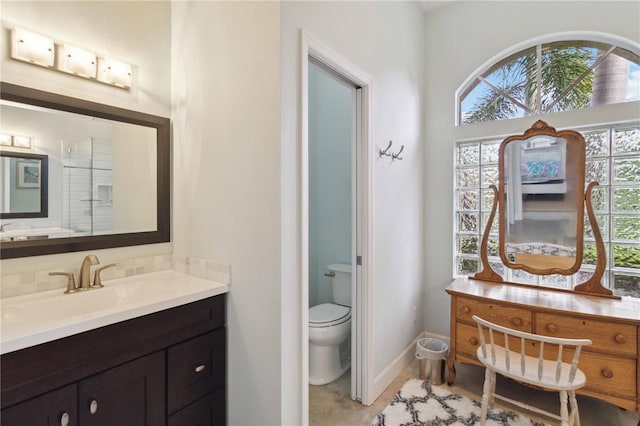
540, 202
103, 175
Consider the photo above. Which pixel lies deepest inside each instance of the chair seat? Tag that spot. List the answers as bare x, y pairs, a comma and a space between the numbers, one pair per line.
530, 376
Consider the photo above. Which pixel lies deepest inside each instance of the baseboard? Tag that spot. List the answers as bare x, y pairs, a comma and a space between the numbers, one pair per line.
388, 375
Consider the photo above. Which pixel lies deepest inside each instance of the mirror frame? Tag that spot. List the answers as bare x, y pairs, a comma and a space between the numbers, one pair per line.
44, 185
25, 95
573, 139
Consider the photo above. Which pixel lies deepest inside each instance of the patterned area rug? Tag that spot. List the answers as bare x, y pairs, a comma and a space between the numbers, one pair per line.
419, 403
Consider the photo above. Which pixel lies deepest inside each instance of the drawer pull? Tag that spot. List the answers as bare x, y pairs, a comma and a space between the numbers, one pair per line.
516, 321
93, 406
64, 419
606, 373
200, 368
551, 327
620, 338
473, 341
466, 309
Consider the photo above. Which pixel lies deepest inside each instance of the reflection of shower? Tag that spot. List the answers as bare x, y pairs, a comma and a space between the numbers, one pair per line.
88, 189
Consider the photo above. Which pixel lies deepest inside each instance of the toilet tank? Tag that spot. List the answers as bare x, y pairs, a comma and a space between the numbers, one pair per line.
341, 283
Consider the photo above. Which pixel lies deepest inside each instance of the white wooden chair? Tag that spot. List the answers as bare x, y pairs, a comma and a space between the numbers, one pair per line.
552, 374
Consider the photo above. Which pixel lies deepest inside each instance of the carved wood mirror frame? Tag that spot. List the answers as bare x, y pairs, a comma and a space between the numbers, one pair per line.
582, 198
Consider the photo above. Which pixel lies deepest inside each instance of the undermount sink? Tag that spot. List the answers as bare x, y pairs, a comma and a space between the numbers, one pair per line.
41, 317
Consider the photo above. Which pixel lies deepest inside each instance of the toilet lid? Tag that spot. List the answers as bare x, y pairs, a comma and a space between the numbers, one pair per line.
322, 315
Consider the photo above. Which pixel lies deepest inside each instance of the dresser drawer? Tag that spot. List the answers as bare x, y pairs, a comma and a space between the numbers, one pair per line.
195, 368
607, 337
609, 375
468, 340
518, 319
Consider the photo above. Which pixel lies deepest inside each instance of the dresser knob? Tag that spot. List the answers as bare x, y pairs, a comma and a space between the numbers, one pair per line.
516, 321
473, 341
551, 327
606, 373
64, 419
466, 309
93, 406
200, 368
620, 338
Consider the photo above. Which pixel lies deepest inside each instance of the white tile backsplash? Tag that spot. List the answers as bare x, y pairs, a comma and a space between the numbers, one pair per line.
34, 281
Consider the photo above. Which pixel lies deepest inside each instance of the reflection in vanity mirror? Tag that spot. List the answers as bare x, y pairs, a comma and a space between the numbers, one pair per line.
23, 185
541, 200
108, 174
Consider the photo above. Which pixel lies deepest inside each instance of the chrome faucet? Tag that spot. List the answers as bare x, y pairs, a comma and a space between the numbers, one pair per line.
84, 280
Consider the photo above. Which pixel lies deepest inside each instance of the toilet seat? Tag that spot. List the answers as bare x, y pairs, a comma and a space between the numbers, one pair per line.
328, 314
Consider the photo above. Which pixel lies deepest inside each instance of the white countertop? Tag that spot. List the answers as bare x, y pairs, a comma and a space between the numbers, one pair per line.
45, 316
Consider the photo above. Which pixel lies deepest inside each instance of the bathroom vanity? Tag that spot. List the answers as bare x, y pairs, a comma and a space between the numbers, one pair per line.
167, 366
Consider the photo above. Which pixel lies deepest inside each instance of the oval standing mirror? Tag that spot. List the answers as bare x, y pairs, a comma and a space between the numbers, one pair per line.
541, 177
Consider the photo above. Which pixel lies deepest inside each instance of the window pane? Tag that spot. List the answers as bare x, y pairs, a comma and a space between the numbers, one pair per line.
468, 200
626, 285
487, 197
495, 226
468, 154
555, 280
489, 176
626, 170
596, 143
597, 171
468, 244
626, 256
493, 246
600, 198
626, 140
626, 228
467, 266
468, 222
602, 221
626, 199
468, 178
521, 276
490, 152
485, 104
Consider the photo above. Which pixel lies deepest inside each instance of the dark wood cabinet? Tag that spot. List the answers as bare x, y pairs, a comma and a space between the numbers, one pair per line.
164, 368
55, 408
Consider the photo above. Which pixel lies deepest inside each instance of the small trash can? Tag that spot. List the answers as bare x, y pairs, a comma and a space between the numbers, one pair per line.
431, 353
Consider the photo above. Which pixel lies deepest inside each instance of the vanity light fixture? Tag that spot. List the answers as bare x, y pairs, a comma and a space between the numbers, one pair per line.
117, 73
32, 47
17, 141
22, 141
77, 61
5, 139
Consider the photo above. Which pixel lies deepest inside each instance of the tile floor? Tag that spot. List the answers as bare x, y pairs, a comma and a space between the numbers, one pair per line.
330, 405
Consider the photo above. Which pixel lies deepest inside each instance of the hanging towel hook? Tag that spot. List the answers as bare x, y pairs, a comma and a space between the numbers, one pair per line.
396, 156
385, 151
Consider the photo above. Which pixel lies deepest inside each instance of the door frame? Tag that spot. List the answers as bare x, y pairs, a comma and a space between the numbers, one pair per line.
362, 307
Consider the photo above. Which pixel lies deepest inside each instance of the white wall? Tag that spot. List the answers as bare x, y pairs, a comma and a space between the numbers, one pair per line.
226, 157
132, 31
386, 41
330, 134
460, 38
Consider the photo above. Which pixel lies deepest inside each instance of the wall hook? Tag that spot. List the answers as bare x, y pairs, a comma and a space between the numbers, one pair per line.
396, 156
384, 152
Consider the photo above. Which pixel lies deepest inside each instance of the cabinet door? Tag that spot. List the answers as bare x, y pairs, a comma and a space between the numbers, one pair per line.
131, 394
58, 407
207, 411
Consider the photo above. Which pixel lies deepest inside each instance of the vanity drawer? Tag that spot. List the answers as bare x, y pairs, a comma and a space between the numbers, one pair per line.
195, 368
518, 319
606, 336
468, 340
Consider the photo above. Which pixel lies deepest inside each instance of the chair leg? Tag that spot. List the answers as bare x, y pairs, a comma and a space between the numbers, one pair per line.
574, 408
487, 393
564, 412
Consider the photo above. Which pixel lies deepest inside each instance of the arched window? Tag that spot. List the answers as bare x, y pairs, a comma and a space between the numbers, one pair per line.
546, 76
550, 77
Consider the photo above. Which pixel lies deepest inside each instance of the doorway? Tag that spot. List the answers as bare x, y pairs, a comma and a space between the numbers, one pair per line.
343, 190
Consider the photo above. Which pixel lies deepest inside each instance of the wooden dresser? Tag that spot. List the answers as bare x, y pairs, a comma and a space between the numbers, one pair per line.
611, 363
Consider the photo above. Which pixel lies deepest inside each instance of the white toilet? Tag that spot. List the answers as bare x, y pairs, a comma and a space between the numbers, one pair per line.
330, 330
